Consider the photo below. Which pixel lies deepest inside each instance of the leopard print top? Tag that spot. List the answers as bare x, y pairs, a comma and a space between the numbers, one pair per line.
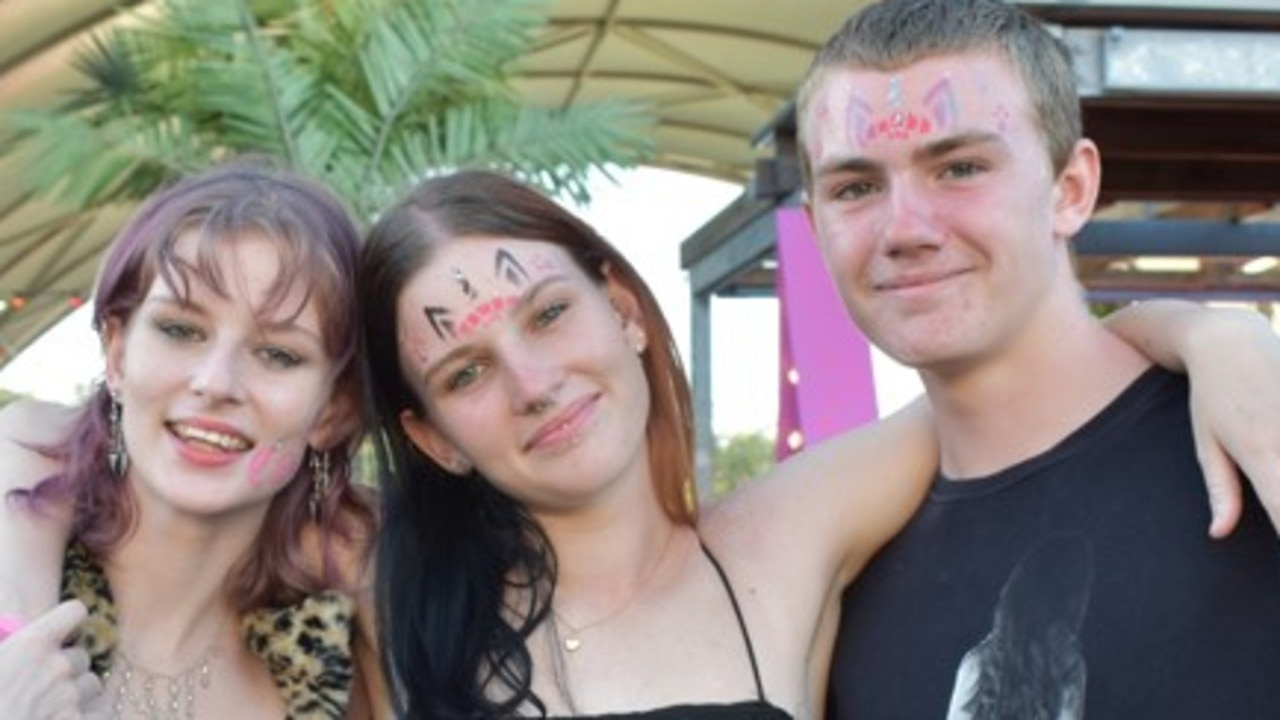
307, 647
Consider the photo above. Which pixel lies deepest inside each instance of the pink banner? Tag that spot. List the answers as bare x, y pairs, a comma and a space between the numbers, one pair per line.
824, 371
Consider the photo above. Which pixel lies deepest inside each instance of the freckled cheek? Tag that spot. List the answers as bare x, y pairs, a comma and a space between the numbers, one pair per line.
271, 466
416, 347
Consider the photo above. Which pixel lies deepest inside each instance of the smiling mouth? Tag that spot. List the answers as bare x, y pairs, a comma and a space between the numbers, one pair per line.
911, 282
212, 439
565, 428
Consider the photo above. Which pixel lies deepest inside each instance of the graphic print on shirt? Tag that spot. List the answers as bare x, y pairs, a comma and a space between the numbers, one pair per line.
1031, 665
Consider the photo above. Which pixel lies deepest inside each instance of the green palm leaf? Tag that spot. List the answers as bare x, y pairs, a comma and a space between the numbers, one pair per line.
369, 95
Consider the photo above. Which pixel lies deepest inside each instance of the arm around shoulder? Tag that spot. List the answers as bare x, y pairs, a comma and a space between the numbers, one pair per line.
1233, 360
32, 542
843, 498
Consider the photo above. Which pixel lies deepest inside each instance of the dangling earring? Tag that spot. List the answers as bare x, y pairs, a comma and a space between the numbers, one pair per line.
117, 454
320, 481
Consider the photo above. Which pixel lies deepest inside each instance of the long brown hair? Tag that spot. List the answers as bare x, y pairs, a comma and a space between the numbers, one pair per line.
454, 552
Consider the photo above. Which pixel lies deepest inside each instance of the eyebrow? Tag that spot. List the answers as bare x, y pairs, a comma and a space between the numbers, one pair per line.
526, 299
271, 326
929, 151
960, 141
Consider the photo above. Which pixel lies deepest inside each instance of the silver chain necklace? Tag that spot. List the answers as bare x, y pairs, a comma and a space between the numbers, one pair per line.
142, 693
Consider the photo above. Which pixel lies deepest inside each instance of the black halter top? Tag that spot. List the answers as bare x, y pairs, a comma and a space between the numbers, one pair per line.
757, 709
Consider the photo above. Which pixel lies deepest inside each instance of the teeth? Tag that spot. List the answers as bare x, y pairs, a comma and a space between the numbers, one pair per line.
219, 440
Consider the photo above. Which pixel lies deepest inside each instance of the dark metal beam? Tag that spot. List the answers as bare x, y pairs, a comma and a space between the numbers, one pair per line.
751, 243
1230, 181
1185, 128
1076, 15
1206, 238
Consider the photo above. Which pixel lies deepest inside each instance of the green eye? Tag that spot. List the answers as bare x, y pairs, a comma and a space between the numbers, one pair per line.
463, 377
855, 190
550, 313
179, 331
280, 357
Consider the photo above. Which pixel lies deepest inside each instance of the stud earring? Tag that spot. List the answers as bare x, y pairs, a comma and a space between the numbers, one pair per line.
117, 454
639, 340
320, 481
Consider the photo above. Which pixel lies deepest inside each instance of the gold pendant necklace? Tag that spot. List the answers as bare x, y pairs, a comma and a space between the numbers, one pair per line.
572, 640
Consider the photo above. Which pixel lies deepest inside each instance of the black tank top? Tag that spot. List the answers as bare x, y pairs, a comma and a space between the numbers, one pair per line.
758, 709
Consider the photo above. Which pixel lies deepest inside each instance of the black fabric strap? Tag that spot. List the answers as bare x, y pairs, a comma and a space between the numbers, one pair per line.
737, 612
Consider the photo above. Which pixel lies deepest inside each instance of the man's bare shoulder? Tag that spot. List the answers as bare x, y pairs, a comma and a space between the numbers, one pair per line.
35, 422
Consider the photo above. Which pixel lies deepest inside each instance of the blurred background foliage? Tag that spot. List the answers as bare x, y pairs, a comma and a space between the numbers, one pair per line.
368, 96
739, 458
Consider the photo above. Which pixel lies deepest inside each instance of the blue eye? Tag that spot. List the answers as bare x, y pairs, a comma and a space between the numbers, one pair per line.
962, 169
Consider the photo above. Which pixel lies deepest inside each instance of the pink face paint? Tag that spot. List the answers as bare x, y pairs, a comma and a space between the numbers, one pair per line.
10, 624
486, 314
860, 122
273, 465
939, 113
482, 293
417, 346
542, 264
821, 116
941, 103
895, 94
1002, 119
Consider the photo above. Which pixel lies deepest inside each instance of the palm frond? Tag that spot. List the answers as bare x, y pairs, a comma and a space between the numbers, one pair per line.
83, 163
368, 95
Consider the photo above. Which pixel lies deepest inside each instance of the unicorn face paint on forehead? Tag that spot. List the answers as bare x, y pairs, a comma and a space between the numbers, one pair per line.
467, 293
856, 111
483, 302
935, 114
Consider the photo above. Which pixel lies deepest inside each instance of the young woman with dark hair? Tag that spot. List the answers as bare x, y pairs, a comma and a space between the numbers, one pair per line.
217, 539
541, 552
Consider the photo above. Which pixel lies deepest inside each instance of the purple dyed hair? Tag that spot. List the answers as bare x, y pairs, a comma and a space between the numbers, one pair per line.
319, 246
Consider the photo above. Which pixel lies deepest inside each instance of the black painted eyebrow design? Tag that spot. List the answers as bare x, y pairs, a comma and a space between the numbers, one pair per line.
507, 267
440, 321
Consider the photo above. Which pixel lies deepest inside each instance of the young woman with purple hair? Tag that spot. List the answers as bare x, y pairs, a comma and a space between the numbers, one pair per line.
217, 540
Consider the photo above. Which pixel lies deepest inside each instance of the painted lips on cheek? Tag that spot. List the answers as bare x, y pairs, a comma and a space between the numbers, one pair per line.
273, 465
